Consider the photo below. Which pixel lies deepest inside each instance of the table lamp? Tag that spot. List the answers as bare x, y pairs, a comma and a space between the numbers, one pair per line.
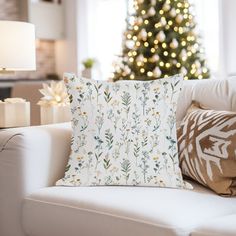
17, 53
17, 46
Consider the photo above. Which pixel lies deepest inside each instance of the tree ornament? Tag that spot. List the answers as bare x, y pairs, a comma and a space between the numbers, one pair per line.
157, 72
166, 7
130, 44
154, 58
183, 71
139, 21
143, 34
140, 58
140, 1
174, 44
161, 36
183, 53
153, 2
197, 63
151, 11
172, 13
127, 70
179, 18
163, 21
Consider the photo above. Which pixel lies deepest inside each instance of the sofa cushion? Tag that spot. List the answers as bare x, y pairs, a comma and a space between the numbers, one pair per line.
116, 211
207, 143
221, 226
124, 133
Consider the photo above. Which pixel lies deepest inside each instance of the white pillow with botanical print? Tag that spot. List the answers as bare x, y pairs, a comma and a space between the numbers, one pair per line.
124, 133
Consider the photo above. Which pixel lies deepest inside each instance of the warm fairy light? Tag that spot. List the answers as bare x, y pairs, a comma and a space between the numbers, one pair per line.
177, 11
200, 77
170, 22
145, 59
179, 4
173, 54
181, 30
138, 44
132, 76
176, 28
136, 27
185, 16
178, 65
166, 76
183, 43
185, 10
153, 50
189, 54
204, 70
165, 53
161, 63
157, 25
155, 41
135, 38
143, 12
184, 58
150, 74
130, 54
187, 24
134, 53
129, 36
139, 63
164, 45
161, 12
167, 65
167, 27
131, 59
149, 34
142, 70
186, 77
146, 44
186, 5
190, 17
146, 22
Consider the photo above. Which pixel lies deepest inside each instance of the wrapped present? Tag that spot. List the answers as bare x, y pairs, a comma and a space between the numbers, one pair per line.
14, 112
54, 105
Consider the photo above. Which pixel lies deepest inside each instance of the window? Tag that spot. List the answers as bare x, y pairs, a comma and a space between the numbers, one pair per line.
207, 18
106, 24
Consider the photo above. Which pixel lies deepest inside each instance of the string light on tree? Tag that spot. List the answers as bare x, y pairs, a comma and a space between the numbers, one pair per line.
161, 40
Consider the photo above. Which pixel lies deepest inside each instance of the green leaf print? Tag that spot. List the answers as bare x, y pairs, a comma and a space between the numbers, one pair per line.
106, 163
126, 168
126, 101
107, 95
109, 138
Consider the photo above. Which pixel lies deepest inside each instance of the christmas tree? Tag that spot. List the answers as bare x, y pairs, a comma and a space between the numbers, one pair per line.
161, 41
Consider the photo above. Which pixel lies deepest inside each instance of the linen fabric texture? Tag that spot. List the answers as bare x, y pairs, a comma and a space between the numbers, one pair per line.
124, 133
207, 148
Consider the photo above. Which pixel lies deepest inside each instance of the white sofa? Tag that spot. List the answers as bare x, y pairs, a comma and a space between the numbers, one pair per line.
32, 159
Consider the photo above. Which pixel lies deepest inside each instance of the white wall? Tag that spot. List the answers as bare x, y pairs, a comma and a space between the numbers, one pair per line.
66, 50
228, 36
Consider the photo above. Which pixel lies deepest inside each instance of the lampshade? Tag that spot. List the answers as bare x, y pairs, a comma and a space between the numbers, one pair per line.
17, 46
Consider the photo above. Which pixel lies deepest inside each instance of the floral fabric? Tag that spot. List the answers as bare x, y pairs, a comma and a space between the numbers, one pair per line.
124, 133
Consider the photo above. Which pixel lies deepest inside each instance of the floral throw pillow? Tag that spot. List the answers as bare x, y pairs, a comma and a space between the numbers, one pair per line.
124, 133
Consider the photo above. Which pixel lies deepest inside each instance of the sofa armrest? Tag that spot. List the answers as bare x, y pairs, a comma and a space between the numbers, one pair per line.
30, 158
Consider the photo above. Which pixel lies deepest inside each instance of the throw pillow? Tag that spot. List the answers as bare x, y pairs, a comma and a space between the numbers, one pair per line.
124, 133
207, 148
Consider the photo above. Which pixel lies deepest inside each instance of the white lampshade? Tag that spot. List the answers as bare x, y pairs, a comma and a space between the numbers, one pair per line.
17, 46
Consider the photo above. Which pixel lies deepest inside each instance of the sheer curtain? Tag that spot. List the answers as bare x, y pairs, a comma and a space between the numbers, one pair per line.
207, 15
106, 24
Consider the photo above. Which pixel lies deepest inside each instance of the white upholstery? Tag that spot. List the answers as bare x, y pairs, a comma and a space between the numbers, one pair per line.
221, 226
33, 158
118, 210
30, 158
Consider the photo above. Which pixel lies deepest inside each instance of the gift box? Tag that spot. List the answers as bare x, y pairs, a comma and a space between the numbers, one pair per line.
14, 112
55, 114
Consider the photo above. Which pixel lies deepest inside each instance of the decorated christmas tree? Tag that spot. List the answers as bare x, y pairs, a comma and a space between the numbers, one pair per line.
161, 41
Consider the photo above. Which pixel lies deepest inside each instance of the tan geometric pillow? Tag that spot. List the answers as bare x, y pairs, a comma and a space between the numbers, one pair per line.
207, 148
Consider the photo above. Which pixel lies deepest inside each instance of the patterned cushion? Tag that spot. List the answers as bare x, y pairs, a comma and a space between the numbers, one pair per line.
207, 148
124, 133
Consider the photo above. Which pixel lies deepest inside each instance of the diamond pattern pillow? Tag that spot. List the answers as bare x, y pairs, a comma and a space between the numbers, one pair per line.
207, 148
124, 133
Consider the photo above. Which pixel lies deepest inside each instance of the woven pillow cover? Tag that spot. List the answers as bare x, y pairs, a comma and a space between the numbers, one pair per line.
124, 133
207, 148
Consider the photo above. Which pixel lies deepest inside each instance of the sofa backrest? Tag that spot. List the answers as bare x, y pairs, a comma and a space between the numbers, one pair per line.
212, 93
